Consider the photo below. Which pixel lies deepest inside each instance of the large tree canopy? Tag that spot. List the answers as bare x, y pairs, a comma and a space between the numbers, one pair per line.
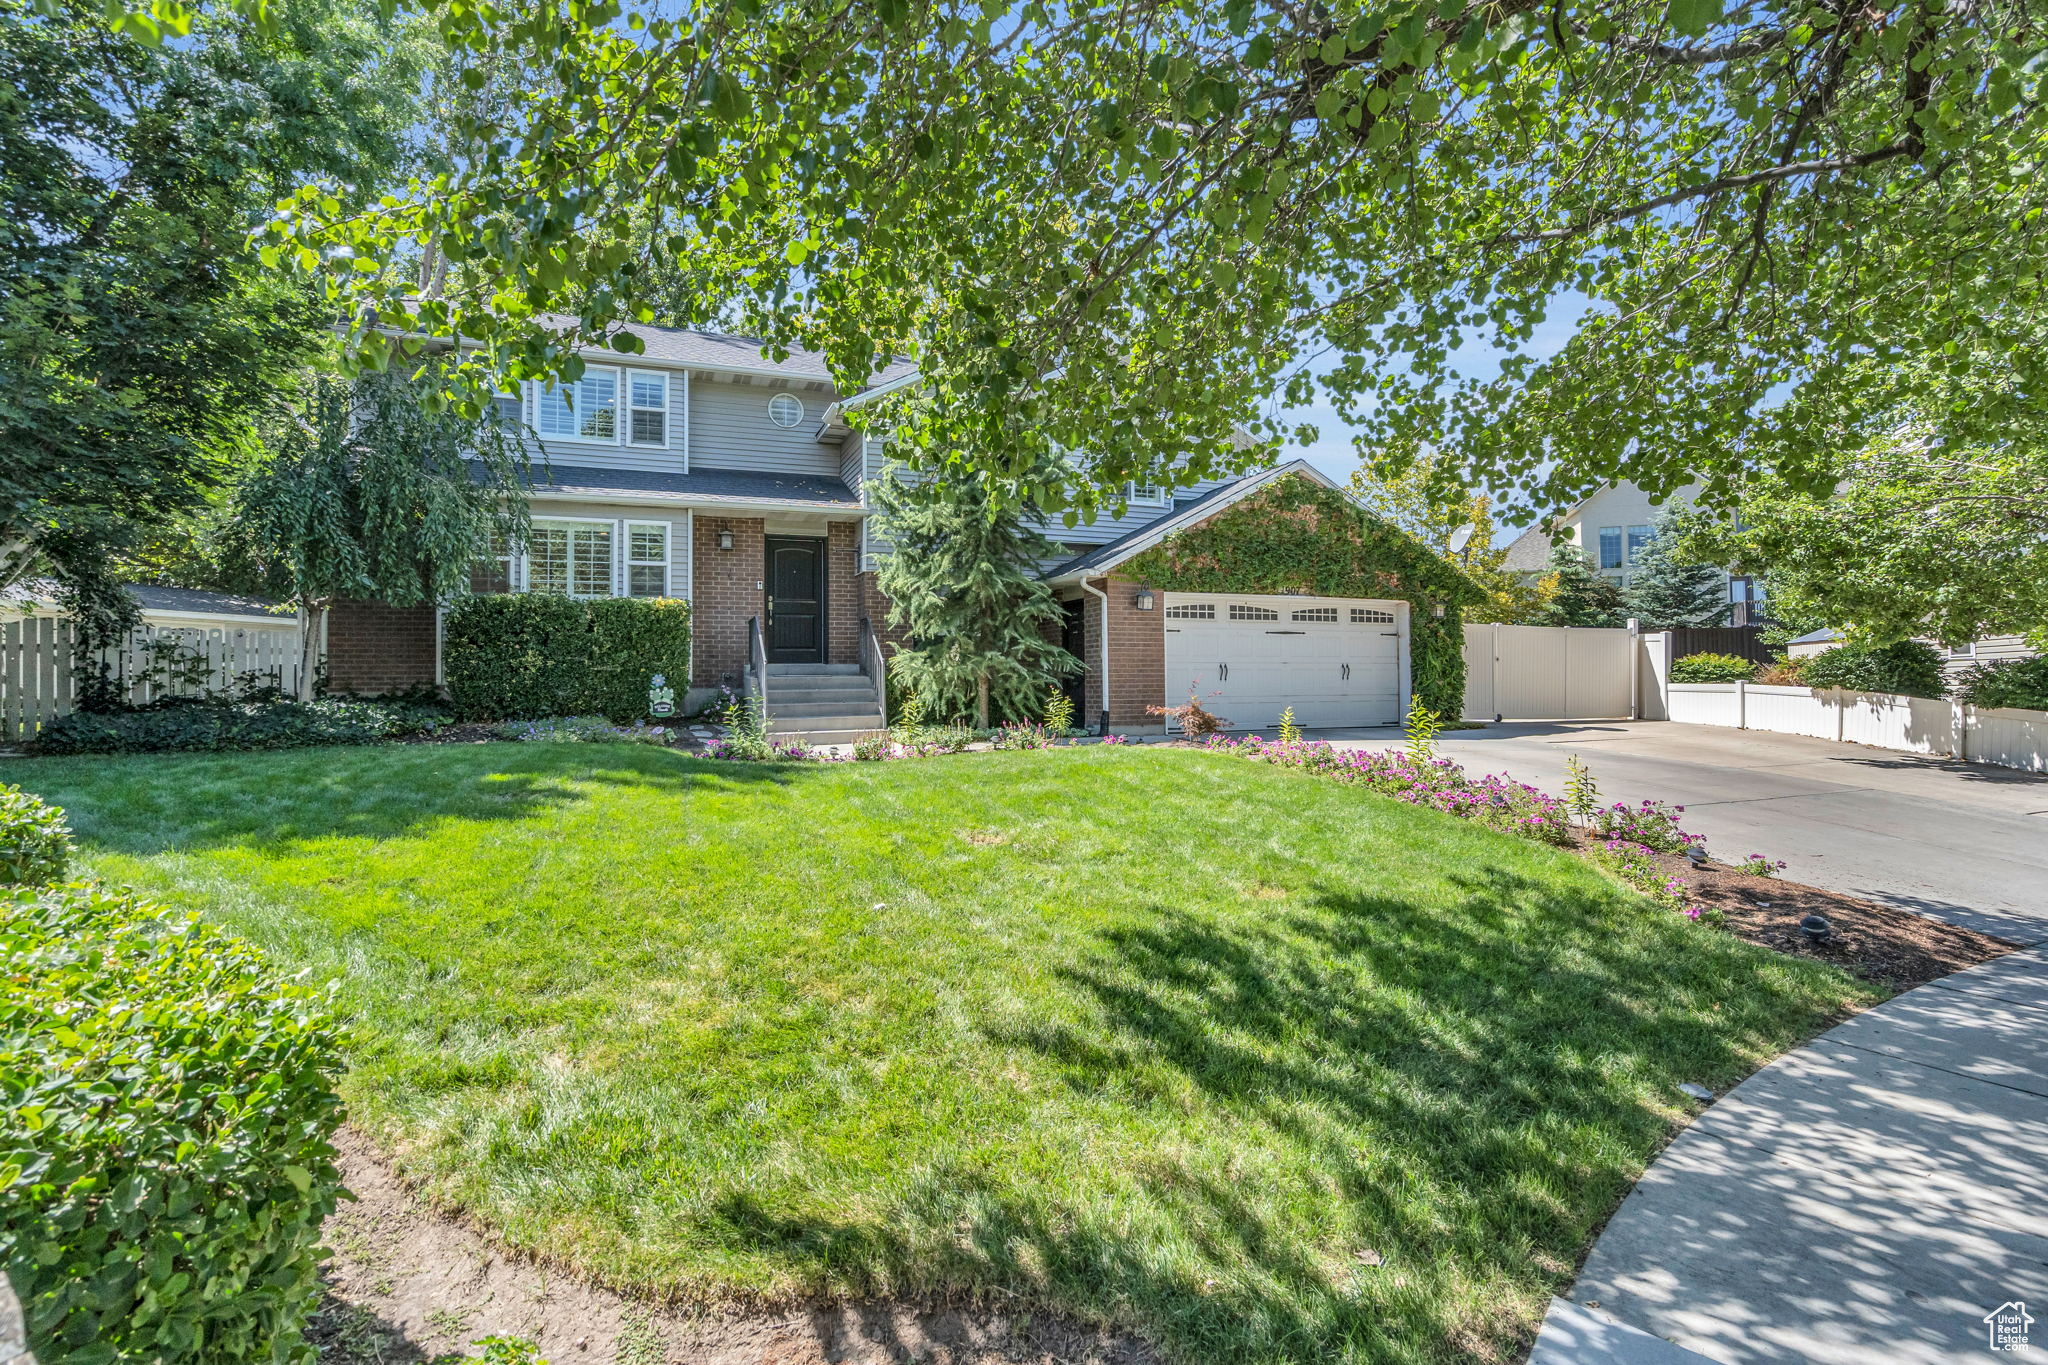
1118, 229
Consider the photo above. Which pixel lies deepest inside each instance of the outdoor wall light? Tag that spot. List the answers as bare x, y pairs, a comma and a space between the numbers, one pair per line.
1437, 611
725, 540
1144, 601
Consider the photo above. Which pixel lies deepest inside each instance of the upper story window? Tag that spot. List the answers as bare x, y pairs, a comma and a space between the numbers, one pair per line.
1638, 537
785, 410
648, 415
1610, 547
1149, 495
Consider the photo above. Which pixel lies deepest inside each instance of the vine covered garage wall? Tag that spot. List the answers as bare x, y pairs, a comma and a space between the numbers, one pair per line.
1297, 536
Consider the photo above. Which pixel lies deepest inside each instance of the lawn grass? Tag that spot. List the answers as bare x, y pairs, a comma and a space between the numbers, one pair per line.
1264, 1067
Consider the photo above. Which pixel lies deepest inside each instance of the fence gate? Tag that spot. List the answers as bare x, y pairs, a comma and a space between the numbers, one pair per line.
38, 682
1548, 672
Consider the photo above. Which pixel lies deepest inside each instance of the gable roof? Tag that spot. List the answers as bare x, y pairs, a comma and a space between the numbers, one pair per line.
693, 348
1103, 558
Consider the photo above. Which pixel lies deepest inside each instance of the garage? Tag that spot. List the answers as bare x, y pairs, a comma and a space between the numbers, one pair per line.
1335, 660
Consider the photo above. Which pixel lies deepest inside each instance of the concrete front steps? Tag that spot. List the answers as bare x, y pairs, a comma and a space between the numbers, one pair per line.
822, 703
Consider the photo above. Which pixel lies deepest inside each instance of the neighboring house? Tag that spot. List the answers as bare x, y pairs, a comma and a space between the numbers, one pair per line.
703, 470
166, 609
1611, 527
1955, 658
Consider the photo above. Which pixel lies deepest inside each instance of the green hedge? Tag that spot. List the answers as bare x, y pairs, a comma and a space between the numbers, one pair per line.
166, 1110
35, 843
521, 656
215, 725
2018, 683
1712, 668
1906, 668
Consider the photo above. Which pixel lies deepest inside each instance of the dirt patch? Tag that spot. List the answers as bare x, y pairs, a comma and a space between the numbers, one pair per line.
407, 1284
1879, 943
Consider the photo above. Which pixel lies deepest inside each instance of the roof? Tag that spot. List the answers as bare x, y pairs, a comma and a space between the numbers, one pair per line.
1186, 511
691, 347
1816, 637
740, 486
214, 603
1529, 552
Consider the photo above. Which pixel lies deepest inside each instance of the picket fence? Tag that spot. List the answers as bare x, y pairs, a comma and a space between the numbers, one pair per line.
2006, 738
39, 681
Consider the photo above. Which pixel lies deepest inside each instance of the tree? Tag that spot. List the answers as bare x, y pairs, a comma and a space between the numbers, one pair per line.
1919, 538
137, 332
1668, 588
1117, 229
365, 491
962, 578
1416, 502
1578, 596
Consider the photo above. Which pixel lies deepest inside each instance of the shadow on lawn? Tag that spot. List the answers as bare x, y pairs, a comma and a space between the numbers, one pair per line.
158, 803
1473, 1084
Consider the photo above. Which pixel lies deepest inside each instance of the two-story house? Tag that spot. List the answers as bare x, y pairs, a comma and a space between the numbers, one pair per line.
1611, 527
703, 470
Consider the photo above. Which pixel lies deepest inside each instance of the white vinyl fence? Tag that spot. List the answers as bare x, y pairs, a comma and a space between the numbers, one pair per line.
1549, 673
2008, 738
39, 682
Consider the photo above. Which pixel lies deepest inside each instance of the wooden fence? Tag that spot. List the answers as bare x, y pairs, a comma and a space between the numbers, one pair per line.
1744, 642
39, 682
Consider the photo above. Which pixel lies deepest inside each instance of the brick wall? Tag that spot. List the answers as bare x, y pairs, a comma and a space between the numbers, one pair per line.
843, 608
725, 597
1137, 659
373, 648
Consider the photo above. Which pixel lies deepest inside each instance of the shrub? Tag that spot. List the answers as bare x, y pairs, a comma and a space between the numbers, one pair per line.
1015, 736
1712, 668
202, 724
520, 656
1195, 720
165, 1153
35, 843
1635, 866
582, 730
1906, 668
1652, 824
2018, 683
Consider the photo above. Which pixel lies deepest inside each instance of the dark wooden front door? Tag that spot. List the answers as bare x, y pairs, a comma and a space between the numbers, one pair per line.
796, 600
1074, 639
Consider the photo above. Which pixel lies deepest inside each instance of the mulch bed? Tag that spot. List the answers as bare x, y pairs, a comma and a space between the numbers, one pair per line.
1879, 943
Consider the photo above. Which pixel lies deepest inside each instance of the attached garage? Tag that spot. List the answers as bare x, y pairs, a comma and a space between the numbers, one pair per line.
1336, 660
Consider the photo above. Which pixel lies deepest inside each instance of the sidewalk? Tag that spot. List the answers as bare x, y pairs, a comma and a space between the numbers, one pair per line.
1869, 1197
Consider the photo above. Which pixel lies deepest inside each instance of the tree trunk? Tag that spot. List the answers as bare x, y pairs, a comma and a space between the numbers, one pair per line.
312, 621
981, 702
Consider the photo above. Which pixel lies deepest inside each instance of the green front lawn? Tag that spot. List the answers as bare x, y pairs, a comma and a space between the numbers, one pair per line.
1264, 1067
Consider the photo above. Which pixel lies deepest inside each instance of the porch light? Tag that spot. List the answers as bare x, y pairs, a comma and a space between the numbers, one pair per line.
725, 540
1144, 599
1437, 611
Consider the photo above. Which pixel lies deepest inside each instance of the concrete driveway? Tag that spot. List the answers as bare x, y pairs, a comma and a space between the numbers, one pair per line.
1963, 842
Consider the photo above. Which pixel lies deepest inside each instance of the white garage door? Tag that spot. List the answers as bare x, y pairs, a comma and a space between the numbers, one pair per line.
1335, 660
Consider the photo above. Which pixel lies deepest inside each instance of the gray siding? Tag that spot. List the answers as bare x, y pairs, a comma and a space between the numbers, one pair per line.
729, 429
1990, 649
1106, 528
616, 455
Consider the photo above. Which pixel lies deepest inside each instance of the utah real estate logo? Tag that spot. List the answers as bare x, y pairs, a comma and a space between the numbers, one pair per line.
2007, 1326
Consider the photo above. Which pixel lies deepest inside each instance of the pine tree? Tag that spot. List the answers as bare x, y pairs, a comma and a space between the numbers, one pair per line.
1579, 596
1666, 589
962, 581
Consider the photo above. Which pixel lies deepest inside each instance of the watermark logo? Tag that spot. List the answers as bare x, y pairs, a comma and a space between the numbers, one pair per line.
2007, 1326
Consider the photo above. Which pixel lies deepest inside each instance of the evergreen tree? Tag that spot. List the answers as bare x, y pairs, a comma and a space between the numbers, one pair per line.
962, 579
363, 491
1668, 588
1579, 596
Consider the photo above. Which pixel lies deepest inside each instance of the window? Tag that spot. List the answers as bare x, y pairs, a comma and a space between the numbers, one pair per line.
646, 559
571, 557
1148, 495
1610, 547
1240, 612
1371, 616
1638, 537
1328, 614
1192, 611
511, 410
647, 417
493, 572
1963, 651
587, 410
785, 410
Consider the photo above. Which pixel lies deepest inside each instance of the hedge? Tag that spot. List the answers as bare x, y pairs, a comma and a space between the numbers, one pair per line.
166, 1110
1712, 668
205, 724
522, 656
35, 843
1906, 668
2017, 683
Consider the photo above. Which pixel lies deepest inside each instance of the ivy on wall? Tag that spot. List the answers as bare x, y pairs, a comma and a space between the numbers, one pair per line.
1296, 536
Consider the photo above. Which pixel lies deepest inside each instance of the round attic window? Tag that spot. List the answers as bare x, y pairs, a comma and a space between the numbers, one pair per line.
785, 410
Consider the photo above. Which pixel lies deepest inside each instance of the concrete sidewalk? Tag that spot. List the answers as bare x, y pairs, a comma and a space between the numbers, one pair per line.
1960, 841
1870, 1197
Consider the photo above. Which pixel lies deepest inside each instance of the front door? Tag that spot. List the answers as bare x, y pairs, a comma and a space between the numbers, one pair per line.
1074, 639
796, 600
